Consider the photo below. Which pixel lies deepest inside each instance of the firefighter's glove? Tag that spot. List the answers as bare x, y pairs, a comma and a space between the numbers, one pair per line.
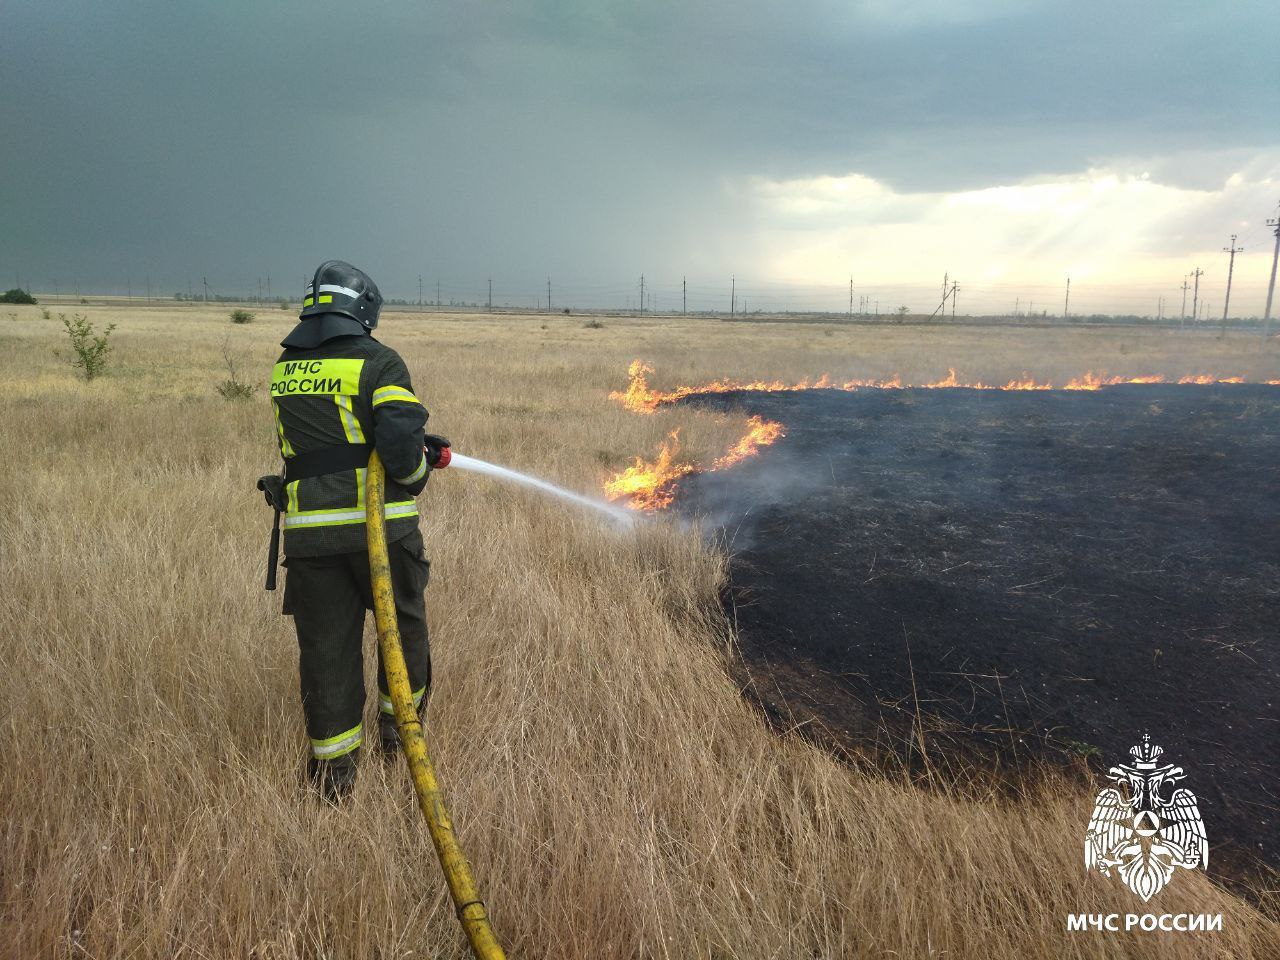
272, 487
437, 450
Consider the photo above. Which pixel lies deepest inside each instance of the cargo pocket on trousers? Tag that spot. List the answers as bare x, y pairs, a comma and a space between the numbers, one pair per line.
418, 556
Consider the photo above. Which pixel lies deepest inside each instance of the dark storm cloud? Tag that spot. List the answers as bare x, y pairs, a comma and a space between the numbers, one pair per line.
585, 140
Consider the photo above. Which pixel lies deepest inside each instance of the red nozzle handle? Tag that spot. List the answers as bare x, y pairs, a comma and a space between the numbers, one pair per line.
438, 453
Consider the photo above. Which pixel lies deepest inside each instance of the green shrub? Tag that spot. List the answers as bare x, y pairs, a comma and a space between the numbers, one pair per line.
44, 312
241, 316
91, 350
16, 295
233, 388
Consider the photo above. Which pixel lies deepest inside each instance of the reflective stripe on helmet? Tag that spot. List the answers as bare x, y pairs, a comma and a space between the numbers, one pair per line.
343, 743
342, 517
334, 288
416, 475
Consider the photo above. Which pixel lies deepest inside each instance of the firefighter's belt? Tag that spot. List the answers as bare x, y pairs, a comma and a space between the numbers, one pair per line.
316, 463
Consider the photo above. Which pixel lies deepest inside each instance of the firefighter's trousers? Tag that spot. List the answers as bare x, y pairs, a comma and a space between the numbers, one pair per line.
327, 597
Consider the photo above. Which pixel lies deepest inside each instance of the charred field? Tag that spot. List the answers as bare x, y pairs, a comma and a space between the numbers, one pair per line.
965, 578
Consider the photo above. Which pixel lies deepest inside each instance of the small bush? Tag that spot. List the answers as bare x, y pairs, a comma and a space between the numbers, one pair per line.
241, 316
593, 325
16, 295
44, 312
233, 388
284, 304
90, 349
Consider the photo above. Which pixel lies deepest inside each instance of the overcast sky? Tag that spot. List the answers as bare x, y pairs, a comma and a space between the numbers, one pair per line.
787, 144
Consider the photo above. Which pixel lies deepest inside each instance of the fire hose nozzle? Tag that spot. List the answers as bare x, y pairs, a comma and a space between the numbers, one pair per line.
438, 451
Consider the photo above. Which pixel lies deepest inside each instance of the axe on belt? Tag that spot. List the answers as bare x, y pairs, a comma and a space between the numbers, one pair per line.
272, 488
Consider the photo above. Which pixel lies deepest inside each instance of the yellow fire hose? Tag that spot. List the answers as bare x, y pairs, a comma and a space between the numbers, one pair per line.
457, 872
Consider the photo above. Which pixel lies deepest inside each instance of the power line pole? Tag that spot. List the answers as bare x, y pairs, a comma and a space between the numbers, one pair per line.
733, 294
851, 296
1231, 266
955, 288
1182, 317
1195, 297
684, 295
419, 289
1066, 303
1271, 287
642, 293
206, 289
548, 294
268, 288
491, 293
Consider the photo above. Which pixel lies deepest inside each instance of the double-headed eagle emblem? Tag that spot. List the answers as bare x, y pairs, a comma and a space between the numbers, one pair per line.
1137, 830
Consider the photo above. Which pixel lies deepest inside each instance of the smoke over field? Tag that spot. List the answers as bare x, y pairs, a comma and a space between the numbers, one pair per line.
1018, 574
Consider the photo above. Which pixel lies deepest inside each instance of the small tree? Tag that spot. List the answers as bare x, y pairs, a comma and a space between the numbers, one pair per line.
91, 350
903, 311
241, 316
16, 295
233, 388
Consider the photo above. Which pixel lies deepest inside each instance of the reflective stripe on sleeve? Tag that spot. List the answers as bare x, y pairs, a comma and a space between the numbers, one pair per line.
394, 393
338, 518
385, 705
416, 475
343, 743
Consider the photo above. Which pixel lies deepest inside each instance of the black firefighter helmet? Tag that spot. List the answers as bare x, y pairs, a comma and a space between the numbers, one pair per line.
340, 301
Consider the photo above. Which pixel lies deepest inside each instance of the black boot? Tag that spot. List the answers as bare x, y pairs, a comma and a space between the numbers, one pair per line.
388, 736
333, 779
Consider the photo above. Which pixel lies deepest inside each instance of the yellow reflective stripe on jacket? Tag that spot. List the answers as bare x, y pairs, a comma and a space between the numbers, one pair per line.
384, 702
350, 422
342, 517
343, 743
360, 474
394, 393
305, 378
291, 504
286, 448
411, 478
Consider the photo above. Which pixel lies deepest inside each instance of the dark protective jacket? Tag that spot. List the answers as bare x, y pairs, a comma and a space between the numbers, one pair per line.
346, 391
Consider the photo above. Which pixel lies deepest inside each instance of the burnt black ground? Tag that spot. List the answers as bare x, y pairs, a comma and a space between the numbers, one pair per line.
1048, 575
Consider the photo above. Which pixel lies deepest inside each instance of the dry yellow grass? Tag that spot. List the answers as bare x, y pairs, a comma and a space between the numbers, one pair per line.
616, 795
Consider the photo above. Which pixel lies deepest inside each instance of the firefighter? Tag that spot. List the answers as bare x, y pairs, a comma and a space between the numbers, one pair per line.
338, 394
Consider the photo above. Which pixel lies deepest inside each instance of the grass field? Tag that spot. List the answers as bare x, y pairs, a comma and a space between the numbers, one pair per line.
616, 795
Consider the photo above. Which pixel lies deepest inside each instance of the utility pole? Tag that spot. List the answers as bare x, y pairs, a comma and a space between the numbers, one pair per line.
1231, 266
851, 295
548, 294
642, 293
1195, 297
1182, 319
733, 294
437, 293
491, 293
1274, 223
955, 288
1066, 303
419, 289
1017, 306
684, 295
206, 288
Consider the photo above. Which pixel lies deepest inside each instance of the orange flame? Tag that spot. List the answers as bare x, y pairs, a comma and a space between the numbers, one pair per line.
652, 486
639, 397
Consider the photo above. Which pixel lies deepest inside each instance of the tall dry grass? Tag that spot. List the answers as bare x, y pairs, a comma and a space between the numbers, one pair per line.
616, 795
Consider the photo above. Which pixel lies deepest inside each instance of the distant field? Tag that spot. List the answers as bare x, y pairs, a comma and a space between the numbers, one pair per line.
616, 794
